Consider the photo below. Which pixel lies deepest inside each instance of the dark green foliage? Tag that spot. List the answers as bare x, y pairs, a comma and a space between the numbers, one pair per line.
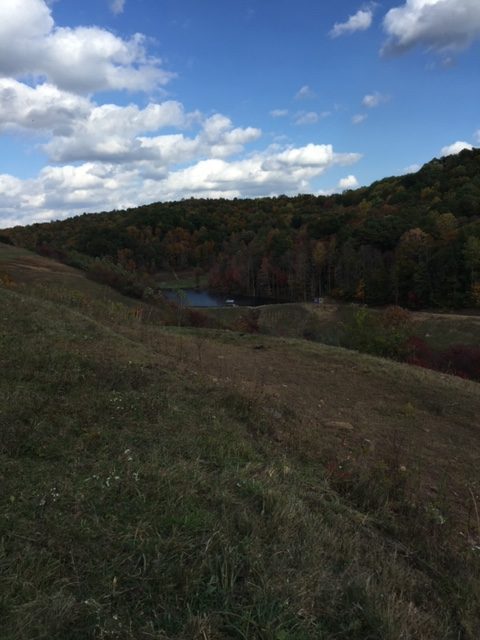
107, 272
386, 334
5, 239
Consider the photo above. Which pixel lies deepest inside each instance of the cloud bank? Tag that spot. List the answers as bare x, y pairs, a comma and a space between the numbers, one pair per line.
64, 190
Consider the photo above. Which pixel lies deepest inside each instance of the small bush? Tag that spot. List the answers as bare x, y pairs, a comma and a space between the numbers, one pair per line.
248, 322
197, 318
6, 281
385, 335
4, 239
106, 272
459, 360
47, 251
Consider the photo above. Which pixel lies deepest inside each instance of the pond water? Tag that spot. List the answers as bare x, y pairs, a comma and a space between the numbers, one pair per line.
196, 298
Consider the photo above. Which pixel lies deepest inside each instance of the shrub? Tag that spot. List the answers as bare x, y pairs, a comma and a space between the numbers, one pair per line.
196, 318
419, 353
461, 360
47, 251
248, 322
106, 272
384, 335
6, 281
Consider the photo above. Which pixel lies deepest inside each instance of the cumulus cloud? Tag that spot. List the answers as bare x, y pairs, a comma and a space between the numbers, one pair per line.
112, 133
439, 25
456, 147
373, 100
360, 21
80, 60
80, 130
40, 108
263, 173
279, 113
350, 182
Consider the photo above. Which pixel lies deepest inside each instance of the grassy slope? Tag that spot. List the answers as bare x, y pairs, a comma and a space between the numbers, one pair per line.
27, 268
166, 483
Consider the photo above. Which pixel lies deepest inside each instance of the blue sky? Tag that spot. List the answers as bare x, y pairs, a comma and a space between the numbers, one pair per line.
109, 103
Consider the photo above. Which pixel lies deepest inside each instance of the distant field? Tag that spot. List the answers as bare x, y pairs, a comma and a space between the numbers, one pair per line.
442, 330
323, 323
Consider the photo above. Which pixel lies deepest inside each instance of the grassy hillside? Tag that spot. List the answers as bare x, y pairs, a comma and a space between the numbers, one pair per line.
26, 268
171, 483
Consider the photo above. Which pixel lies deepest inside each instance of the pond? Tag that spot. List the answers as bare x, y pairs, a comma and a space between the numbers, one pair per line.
197, 298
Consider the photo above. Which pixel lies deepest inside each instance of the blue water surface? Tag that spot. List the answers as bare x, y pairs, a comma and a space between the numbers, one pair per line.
197, 298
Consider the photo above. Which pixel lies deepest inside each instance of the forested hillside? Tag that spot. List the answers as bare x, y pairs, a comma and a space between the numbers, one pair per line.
412, 240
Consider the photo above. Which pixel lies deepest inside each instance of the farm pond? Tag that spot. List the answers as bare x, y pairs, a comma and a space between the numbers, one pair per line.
198, 298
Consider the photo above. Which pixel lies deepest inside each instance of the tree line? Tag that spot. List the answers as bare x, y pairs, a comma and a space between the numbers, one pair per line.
411, 240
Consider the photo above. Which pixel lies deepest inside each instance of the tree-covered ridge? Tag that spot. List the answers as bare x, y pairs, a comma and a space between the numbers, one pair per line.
413, 240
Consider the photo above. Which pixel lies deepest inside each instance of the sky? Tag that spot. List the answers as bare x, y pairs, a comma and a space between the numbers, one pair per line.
109, 104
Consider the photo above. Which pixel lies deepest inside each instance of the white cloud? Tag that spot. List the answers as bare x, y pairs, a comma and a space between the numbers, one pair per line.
117, 6
80, 130
373, 100
350, 182
40, 108
476, 136
456, 147
269, 172
279, 113
111, 132
80, 60
435, 24
304, 93
358, 118
309, 117
360, 21
93, 186
412, 168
